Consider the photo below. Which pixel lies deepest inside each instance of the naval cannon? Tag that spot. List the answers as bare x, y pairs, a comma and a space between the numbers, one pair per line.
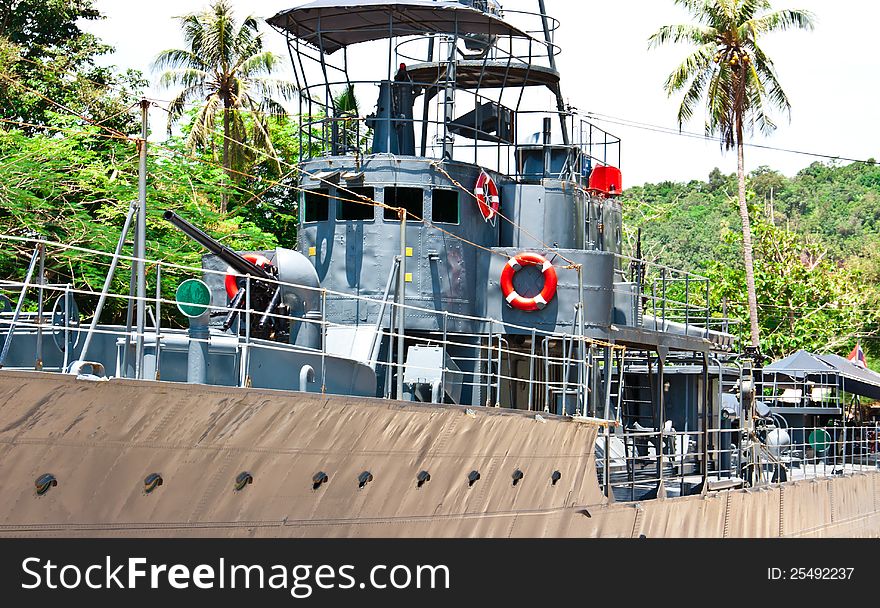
265, 292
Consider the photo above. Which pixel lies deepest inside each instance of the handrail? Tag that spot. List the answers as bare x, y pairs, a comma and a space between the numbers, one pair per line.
626, 461
328, 135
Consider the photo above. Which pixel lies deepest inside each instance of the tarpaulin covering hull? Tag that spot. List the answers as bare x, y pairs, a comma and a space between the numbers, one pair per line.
100, 440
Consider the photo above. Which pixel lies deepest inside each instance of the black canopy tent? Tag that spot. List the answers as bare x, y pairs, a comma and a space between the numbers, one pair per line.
330, 25
849, 377
797, 365
854, 379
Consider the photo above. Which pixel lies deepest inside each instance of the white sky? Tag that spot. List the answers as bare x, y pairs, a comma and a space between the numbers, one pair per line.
832, 76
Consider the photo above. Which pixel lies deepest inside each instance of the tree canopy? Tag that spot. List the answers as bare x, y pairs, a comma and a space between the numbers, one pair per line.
817, 269
69, 171
48, 63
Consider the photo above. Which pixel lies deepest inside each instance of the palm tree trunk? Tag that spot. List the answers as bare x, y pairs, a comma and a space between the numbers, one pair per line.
747, 239
224, 194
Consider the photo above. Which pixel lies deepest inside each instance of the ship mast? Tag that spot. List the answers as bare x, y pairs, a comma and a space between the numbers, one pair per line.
557, 90
140, 241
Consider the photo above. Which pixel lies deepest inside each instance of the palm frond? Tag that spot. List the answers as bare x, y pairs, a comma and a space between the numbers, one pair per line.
186, 77
694, 63
193, 32
695, 93
779, 21
765, 73
248, 40
253, 65
202, 127
238, 134
273, 87
759, 117
681, 33
272, 108
222, 34
262, 138
721, 116
747, 9
176, 59
346, 103
700, 10
178, 105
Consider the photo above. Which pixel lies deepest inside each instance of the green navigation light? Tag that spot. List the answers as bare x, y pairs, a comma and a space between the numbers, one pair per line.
193, 298
820, 440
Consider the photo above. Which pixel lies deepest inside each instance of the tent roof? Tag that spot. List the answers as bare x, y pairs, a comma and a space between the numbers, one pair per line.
855, 379
330, 25
799, 364
851, 378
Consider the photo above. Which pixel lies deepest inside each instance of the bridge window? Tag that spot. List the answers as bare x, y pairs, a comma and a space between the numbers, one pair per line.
316, 205
444, 207
411, 199
349, 205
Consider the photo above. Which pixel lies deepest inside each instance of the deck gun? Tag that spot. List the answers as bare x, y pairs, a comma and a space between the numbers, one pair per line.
265, 291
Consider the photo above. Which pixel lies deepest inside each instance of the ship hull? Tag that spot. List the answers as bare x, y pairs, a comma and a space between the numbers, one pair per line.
102, 440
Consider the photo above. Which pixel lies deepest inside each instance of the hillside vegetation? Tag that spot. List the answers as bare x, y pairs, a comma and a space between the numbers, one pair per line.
816, 246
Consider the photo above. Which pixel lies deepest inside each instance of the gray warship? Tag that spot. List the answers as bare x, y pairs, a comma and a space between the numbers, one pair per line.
458, 345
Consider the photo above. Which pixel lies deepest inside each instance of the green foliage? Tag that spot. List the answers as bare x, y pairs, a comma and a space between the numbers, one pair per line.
838, 205
805, 300
76, 190
681, 223
44, 55
817, 266
43, 24
70, 181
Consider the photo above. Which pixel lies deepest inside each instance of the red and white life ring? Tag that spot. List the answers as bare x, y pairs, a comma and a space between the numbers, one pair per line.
539, 301
488, 200
232, 276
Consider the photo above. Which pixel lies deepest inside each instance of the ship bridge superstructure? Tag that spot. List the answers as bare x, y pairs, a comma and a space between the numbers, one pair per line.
469, 134
443, 175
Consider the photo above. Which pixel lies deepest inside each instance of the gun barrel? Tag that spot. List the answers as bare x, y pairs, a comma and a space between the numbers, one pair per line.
235, 261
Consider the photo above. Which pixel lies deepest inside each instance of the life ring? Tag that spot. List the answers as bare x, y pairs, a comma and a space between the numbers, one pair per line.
537, 302
232, 276
488, 201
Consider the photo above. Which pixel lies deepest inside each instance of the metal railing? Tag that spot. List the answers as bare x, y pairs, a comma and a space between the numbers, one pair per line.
514, 50
793, 390
635, 466
323, 134
669, 295
528, 373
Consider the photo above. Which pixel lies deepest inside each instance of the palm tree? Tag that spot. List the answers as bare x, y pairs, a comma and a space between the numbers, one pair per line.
224, 68
737, 81
346, 110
